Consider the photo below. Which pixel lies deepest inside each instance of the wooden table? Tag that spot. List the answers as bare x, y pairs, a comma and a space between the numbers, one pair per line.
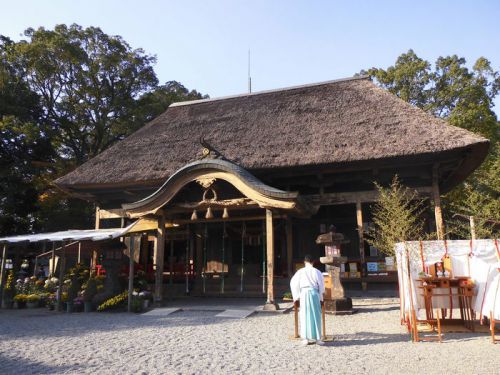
464, 294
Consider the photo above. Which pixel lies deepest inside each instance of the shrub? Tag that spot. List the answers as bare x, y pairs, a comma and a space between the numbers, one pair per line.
20, 298
136, 305
33, 298
90, 289
114, 302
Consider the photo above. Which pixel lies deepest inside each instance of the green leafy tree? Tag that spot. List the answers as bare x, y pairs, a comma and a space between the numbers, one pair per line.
66, 95
465, 98
88, 83
396, 217
26, 153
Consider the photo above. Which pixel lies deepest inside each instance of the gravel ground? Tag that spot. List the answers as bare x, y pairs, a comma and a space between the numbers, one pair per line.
193, 342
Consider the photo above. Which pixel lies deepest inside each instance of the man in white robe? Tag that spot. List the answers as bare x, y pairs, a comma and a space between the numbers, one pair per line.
308, 287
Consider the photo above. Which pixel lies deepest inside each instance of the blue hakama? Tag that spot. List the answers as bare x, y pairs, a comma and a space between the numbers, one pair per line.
310, 314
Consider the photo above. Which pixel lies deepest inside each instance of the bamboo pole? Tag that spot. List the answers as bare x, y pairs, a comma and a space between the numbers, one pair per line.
53, 260
437, 203
472, 228
130, 274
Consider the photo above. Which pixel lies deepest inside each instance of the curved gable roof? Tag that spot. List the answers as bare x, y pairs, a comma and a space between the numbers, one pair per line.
327, 123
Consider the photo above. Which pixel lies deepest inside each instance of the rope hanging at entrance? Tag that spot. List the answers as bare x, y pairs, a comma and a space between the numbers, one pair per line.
243, 235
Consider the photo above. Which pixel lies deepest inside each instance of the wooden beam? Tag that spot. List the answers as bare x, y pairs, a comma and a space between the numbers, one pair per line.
270, 304
328, 199
289, 246
112, 213
437, 202
359, 221
159, 255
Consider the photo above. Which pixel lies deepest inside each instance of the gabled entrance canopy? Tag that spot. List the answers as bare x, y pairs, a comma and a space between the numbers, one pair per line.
205, 173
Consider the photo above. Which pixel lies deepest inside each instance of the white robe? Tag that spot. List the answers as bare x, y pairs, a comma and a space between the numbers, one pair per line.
307, 277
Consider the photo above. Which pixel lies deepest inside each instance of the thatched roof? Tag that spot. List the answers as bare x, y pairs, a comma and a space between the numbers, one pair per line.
327, 123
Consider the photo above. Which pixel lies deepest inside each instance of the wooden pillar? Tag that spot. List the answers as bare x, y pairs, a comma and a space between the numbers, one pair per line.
437, 203
159, 255
359, 221
130, 274
472, 228
270, 304
289, 246
62, 264
2, 272
93, 260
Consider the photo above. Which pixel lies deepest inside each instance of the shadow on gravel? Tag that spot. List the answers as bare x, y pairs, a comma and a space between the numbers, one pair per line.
18, 365
368, 338
362, 309
75, 324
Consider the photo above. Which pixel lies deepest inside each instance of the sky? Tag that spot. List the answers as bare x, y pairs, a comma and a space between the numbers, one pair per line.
204, 44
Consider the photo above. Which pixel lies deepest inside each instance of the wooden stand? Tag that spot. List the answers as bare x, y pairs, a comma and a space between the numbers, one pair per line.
435, 323
494, 339
296, 306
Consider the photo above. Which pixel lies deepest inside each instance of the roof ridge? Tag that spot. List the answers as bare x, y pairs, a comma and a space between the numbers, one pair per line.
200, 101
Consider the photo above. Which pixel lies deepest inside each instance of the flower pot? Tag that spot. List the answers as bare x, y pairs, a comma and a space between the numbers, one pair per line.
32, 305
51, 306
20, 304
69, 307
145, 304
87, 306
7, 304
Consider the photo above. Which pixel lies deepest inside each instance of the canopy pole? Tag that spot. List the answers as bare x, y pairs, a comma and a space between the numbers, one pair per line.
79, 252
130, 274
2, 272
53, 260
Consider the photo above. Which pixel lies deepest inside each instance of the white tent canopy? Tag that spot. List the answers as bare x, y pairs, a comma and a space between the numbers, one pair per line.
70, 235
478, 259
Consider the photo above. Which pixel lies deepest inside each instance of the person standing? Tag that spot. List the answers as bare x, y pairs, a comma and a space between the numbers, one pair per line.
308, 287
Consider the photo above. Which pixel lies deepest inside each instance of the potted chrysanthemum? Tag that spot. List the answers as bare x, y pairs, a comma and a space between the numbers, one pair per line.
32, 301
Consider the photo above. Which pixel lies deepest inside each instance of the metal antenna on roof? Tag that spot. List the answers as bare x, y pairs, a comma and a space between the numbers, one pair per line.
249, 77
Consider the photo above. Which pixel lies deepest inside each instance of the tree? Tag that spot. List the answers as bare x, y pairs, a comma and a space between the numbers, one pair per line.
464, 97
66, 95
88, 83
396, 217
25, 150
155, 102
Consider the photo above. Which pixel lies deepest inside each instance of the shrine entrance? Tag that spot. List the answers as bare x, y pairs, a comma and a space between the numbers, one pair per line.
228, 232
